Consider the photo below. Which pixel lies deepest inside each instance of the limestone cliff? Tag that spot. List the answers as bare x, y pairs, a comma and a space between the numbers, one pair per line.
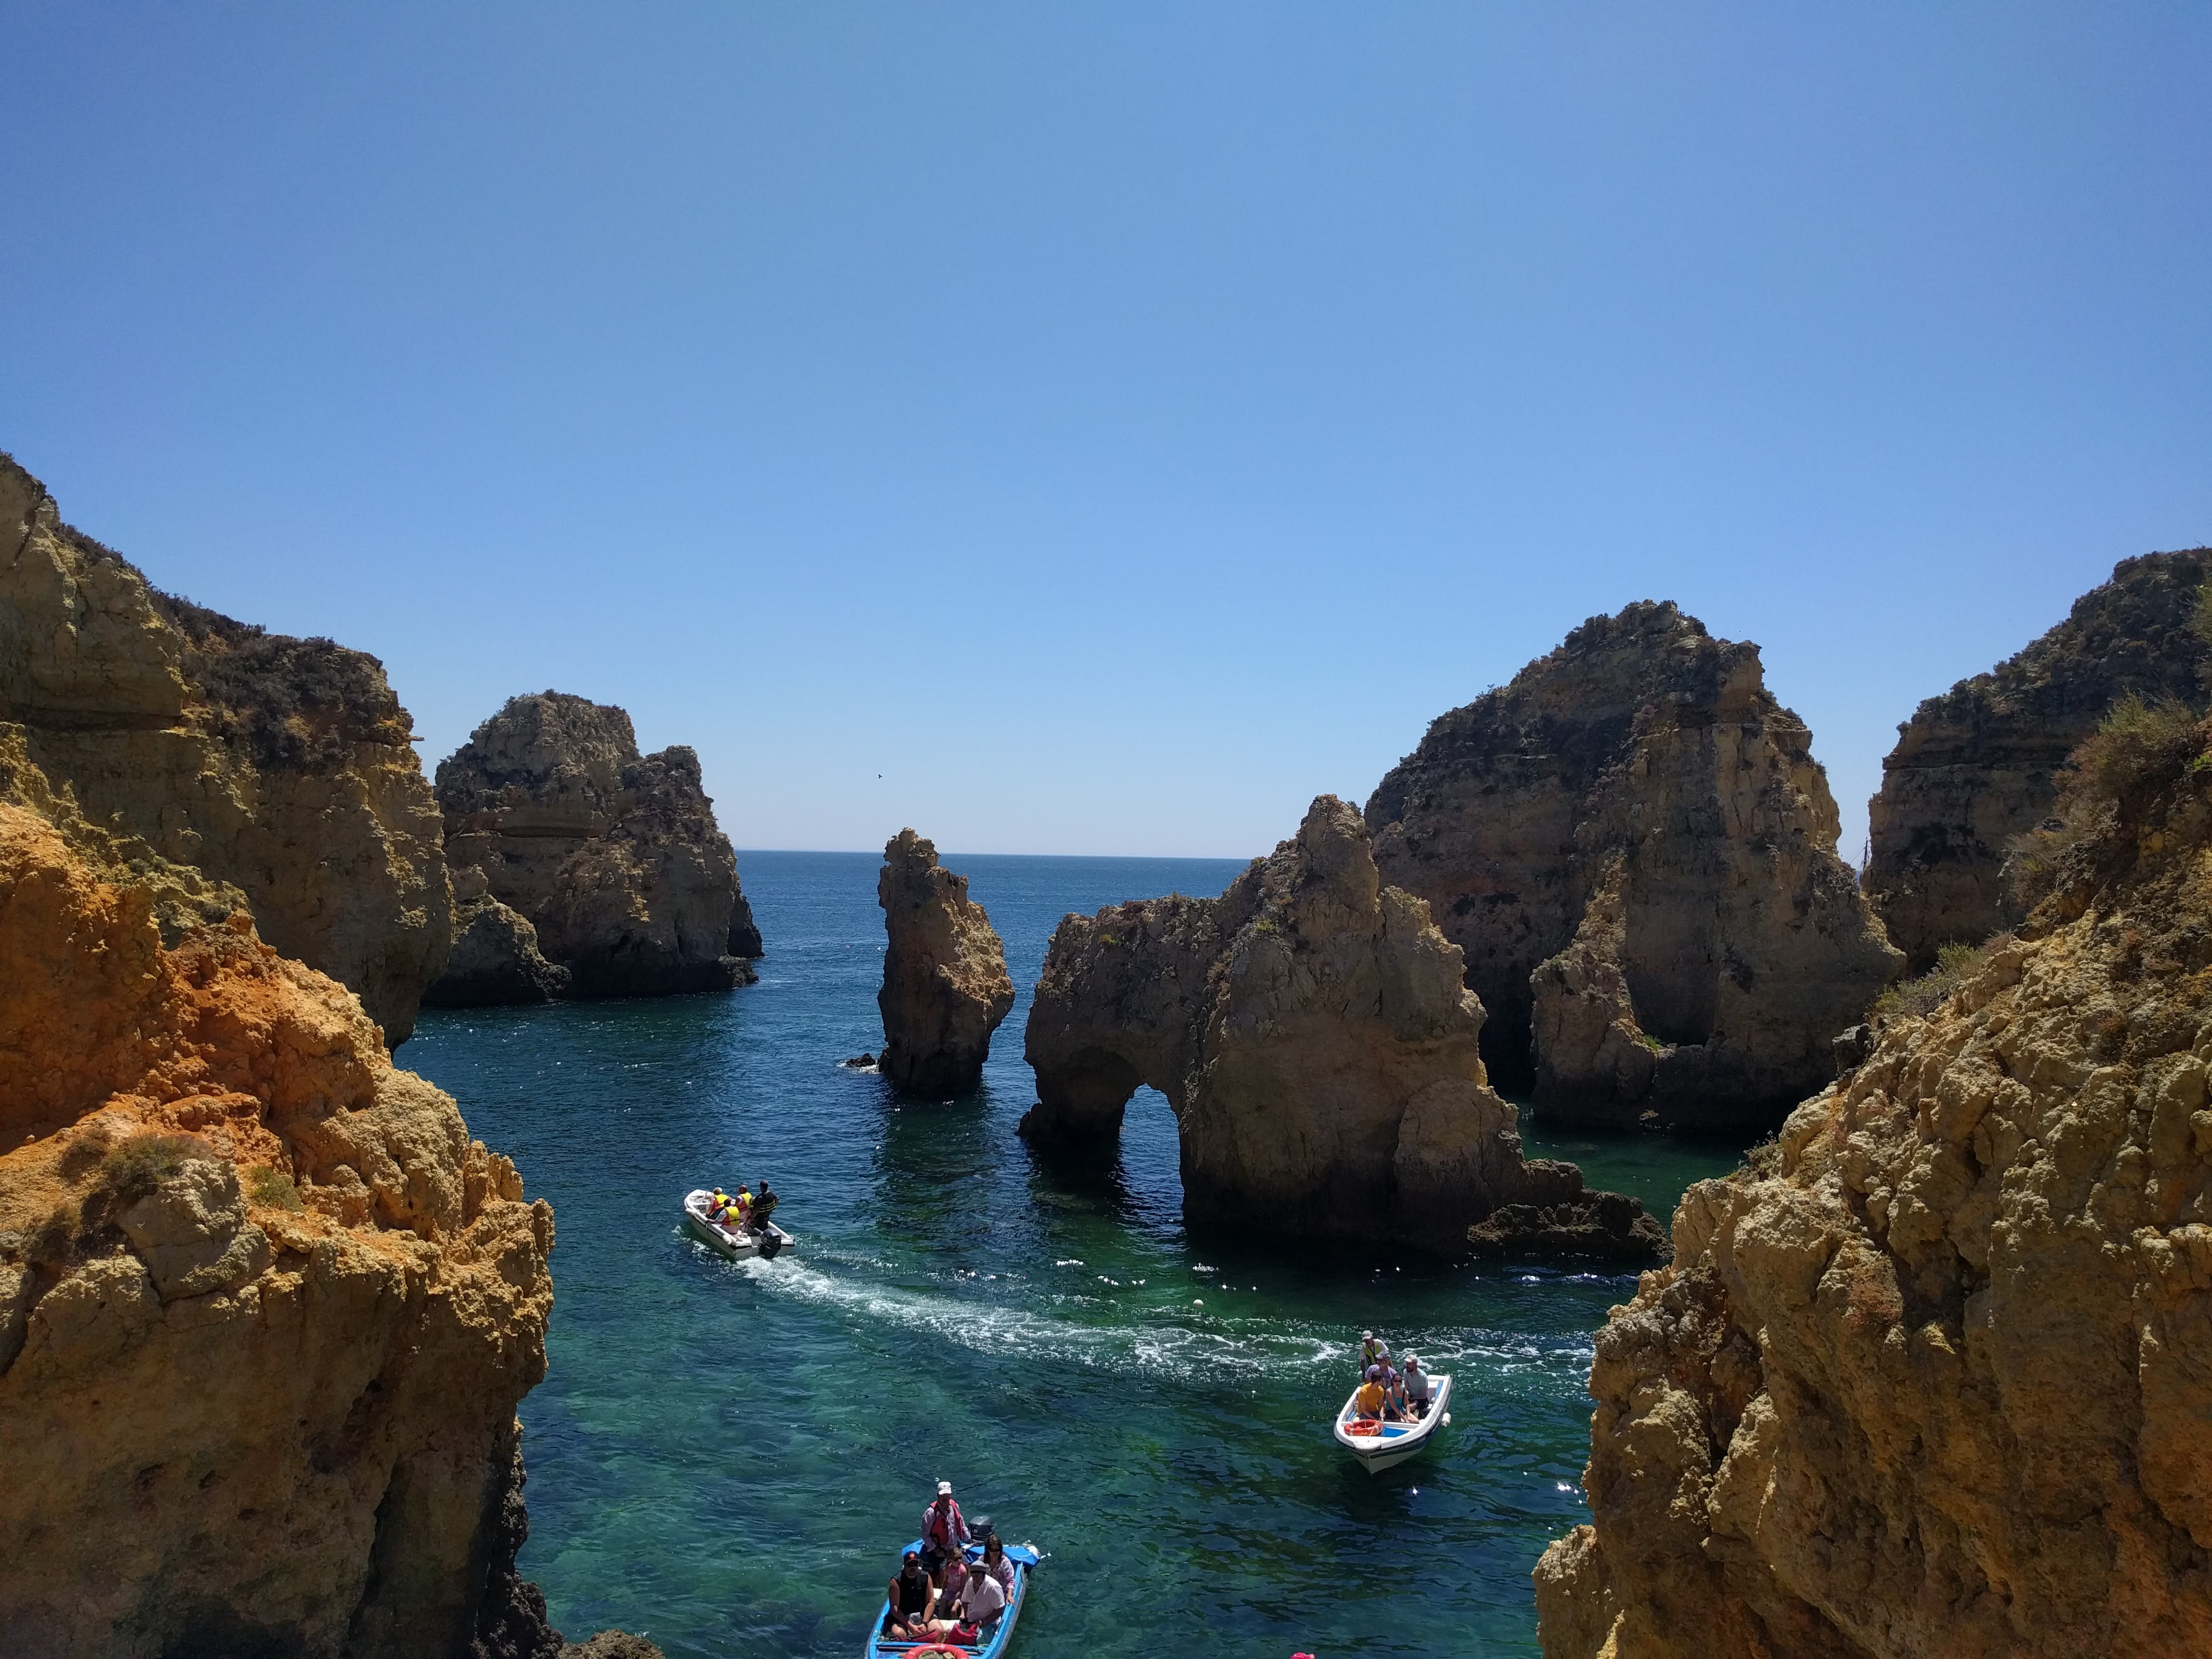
946, 987
1977, 766
612, 857
279, 768
1311, 1031
1933, 1377
1635, 849
266, 1310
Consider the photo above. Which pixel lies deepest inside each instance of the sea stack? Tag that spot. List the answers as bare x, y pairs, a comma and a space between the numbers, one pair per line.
613, 859
266, 1310
1977, 766
280, 772
946, 987
1932, 1375
1635, 847
1311, 1030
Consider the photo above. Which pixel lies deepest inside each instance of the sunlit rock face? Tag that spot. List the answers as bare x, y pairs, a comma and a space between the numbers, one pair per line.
282, 769
1977, 766
612, 857
946, 986
266, 1310
1633, 847
1311, 1030
1933, 1376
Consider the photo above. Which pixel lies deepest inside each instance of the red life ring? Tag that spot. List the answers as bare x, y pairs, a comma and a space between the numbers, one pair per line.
935, 1650
1363, 1425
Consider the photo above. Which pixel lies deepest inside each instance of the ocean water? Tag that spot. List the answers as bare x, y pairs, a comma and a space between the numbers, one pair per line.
726, 1457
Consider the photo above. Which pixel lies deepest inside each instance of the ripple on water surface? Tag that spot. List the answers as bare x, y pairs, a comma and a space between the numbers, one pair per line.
727, 1455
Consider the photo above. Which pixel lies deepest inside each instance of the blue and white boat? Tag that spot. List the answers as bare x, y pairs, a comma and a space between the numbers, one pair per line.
1380, 1443
1024, 1558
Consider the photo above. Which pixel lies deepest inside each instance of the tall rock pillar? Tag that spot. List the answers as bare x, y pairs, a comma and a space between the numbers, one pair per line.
946, 986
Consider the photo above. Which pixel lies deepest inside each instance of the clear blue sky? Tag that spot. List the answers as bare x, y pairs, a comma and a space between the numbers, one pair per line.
1112, 424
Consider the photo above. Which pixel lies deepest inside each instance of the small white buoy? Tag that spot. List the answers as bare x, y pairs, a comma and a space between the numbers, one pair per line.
1447, 1419
1198, 1302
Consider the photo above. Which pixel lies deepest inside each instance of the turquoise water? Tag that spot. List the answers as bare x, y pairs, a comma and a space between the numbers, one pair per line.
726, 1456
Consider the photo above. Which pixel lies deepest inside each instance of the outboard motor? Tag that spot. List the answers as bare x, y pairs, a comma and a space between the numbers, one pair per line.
769, 1245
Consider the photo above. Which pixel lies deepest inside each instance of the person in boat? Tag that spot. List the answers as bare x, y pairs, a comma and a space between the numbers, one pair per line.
1373, 1351
982, 1603
1368, 1401
944, 1532
995, 1563
1394, 1395
764, 1203
911, 1597
1419, 1390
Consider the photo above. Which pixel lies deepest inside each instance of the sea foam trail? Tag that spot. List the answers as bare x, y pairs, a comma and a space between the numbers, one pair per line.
1159, 1343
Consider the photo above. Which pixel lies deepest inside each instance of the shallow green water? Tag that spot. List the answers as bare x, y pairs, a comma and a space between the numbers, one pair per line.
726, 1457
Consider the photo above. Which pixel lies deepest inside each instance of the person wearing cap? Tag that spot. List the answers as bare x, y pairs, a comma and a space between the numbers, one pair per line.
1368, 1401
1373, 1351
1418, 1392
909, 1598
763, 1206
944, 1532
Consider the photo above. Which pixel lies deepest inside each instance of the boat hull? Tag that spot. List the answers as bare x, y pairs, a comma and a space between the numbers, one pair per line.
1392, 1443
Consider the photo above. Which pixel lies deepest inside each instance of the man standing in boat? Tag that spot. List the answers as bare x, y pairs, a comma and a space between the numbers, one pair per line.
944, 1532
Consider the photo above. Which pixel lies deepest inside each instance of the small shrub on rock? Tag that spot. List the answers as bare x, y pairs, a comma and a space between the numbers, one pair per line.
273, 1188
145, 1162
1916, 999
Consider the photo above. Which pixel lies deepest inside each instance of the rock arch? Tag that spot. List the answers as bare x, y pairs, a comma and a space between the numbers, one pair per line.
1311, 1031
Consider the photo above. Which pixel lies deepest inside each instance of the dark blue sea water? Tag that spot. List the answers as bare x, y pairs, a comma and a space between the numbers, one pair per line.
726, 1457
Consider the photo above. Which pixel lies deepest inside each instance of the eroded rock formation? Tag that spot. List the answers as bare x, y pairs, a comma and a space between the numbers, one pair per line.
1934, 1375
266, 1310
1635, 849
1977, 766
1312, 1032
495, 959
612, 857
279, 768
946, 987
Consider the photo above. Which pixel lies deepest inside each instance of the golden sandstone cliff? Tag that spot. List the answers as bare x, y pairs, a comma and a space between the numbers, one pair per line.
1635, 849
280, 768
1310, 1029
578, 854
266, 1310
1979, 765
946, 986
1933, 1377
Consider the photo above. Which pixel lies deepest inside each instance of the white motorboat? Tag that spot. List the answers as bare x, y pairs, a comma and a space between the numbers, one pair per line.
725, 1239
1380, 1443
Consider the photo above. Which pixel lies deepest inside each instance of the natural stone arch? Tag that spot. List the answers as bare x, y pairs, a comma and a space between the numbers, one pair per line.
1310, 1029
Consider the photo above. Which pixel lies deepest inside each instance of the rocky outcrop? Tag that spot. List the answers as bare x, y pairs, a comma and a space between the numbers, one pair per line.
946, 987
1932, 1376
281, 769
1635, 849
495, 959
612, 857
1977, 766
266, 1310
1311, 1031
